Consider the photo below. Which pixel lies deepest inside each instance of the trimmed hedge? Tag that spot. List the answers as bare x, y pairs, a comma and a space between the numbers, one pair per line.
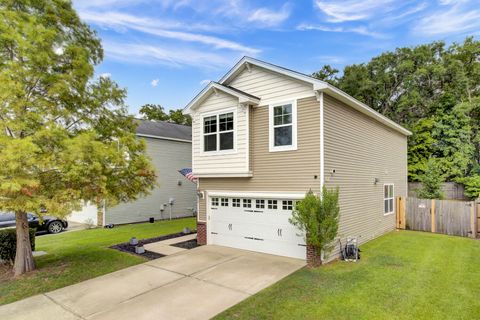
8, 243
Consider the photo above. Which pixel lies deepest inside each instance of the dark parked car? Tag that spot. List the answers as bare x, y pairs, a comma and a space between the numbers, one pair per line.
50, 224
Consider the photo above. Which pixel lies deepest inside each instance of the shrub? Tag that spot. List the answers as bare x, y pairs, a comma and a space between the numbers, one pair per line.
472, 186
318, 218
8, 243
432, 181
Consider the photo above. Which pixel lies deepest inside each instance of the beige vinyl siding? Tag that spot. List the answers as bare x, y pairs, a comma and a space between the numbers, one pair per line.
167, 157
286, 171
211, 163
269, 86
361, 149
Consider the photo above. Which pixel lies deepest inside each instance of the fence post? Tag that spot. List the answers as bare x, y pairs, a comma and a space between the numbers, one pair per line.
432, 213
473, 218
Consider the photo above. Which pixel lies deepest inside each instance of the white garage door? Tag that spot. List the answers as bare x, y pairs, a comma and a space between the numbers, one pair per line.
255, 224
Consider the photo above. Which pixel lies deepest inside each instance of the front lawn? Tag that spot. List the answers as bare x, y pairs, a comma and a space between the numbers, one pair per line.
402, 275
80, 255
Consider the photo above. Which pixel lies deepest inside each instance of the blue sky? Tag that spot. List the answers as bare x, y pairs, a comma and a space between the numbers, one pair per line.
165, 51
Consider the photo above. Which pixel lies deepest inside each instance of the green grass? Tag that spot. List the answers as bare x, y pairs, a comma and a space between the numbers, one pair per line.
402, 275
77, 256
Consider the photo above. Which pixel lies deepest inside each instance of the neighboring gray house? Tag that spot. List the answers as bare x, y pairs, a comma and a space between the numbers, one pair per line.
169, 146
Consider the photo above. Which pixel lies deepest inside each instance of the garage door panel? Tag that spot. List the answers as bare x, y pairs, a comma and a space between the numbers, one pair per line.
255, 224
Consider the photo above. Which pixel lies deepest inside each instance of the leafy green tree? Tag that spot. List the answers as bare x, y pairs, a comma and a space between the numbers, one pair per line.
472, 186
453, 148
65, 137
432, 181
153, 112
318, 218
327, 73
156, 112
177, 116
421, 148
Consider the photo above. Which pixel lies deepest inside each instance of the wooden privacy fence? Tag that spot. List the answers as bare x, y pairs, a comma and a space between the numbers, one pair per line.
451, 217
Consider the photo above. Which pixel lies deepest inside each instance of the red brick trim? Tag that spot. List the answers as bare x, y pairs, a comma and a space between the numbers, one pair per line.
201, 233
314, 258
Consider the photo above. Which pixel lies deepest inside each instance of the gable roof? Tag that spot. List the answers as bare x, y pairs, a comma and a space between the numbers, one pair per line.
317, 86
243, 97
163, 130
246, 61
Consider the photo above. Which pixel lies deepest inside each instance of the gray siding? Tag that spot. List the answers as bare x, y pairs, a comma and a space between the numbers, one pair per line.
167, 157
361, 149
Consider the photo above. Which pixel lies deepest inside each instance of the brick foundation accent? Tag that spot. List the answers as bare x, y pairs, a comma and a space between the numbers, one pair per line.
314, 258
201, 233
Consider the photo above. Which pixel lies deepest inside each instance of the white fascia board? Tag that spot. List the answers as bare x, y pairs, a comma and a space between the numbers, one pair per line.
363, 108
215, 86
266, 195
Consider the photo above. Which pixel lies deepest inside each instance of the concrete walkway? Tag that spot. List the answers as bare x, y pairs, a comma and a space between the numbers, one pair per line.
191, 284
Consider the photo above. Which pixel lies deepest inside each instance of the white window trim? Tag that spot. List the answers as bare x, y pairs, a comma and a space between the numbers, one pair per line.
392, 197
272, 147
235, 129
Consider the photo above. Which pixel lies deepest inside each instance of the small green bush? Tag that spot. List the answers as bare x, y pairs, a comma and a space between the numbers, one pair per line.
472, 186
8, 243
432, 181
318, 217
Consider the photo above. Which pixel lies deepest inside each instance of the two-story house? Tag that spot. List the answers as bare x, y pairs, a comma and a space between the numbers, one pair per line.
264, 135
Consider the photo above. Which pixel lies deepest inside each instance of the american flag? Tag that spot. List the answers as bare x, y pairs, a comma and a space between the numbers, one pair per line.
187, 172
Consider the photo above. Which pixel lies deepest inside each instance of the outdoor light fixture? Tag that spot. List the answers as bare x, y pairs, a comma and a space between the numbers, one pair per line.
376, 180
139, 249
133, 241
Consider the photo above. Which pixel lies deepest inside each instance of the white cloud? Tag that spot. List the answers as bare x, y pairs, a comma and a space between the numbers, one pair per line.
270, 17
359, 30
154, 82
136, 53
353, 10
457, 19
153, 27
105, 75
205, 82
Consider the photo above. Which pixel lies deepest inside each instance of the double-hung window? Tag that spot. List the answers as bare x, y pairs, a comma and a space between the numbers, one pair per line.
218, 132
388, 199
283, 126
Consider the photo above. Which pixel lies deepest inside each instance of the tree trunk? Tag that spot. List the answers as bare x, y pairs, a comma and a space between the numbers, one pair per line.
23, 257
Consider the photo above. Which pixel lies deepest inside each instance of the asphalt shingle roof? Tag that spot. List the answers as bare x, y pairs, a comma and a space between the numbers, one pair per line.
164, 129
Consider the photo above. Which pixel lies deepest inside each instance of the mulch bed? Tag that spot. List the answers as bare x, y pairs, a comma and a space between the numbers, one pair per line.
127, 247
189, 244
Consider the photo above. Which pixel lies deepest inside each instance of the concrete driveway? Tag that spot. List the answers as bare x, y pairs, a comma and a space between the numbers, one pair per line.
194, 284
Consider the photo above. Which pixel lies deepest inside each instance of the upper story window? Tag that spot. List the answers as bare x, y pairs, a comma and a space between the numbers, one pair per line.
218, 132
283, 126
388, 199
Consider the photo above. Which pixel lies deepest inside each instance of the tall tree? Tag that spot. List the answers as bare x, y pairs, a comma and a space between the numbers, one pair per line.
156, 112
65, 137
153, 112
177, 116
